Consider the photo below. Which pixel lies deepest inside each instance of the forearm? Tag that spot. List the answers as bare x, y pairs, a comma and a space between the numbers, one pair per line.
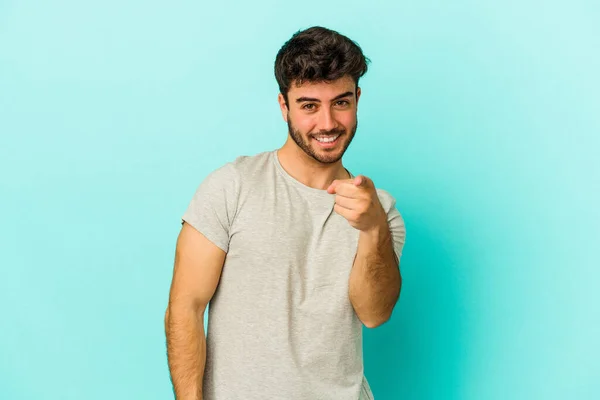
186, 351
375, 280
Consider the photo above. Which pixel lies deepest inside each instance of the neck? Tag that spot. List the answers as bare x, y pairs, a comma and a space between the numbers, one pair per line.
306, 169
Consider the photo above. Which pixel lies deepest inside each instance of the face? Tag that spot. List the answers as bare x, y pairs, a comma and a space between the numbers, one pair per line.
321, 117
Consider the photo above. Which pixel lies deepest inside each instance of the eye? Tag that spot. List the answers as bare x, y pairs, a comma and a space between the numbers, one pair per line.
309, 106
343, 103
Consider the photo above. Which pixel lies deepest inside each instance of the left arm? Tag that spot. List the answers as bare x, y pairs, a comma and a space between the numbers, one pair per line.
375, 279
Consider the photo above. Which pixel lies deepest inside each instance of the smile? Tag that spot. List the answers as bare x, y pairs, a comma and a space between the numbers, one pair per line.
327, 141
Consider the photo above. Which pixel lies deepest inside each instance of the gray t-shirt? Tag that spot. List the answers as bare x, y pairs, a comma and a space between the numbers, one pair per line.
280, 324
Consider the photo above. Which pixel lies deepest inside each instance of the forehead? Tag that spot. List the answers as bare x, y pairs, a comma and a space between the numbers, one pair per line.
322, 90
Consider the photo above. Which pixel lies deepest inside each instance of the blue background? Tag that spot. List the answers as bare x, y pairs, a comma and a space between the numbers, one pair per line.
481, 118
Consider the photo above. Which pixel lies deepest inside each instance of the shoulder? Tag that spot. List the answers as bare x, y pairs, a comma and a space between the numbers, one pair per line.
386, 198
250, 165
243, 165
395, 219
233, 173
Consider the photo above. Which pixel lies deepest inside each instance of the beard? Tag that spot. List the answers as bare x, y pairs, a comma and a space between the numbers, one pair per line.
325, 156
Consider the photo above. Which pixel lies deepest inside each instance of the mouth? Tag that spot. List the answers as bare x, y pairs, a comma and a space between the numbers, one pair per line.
327, 141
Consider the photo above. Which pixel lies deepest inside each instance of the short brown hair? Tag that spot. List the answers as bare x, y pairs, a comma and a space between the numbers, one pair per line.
318, 54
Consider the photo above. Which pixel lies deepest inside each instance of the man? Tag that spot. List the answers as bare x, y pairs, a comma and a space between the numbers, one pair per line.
293, 252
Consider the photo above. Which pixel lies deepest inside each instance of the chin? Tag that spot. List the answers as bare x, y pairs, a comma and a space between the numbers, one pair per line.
327, 157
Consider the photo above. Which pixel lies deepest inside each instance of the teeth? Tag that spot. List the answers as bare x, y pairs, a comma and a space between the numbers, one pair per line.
327, 139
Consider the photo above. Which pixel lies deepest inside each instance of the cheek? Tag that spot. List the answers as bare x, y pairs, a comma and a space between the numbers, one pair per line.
304, 124
348, 120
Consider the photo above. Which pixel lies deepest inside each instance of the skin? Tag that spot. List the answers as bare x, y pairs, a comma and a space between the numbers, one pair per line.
374, 283
315, 108
301, 156
196, 274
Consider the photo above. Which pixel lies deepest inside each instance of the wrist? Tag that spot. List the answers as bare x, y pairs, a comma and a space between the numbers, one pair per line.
378, 229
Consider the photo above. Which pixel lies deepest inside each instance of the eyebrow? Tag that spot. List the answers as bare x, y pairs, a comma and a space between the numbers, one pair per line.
302, 99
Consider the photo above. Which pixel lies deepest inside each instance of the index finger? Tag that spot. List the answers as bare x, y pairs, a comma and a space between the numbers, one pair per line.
347, 189
336, 182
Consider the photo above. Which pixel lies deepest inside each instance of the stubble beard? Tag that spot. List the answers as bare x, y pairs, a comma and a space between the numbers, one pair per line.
325, 157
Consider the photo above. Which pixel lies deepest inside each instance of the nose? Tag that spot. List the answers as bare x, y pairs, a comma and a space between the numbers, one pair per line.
326, 120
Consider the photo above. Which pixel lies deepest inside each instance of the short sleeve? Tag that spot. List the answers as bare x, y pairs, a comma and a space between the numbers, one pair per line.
398, 230
395, 221
213, 205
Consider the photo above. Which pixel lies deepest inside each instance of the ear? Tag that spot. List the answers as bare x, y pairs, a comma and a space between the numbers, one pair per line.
358, 91
282, 106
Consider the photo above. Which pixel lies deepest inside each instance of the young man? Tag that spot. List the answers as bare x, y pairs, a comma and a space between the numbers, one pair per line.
293, 252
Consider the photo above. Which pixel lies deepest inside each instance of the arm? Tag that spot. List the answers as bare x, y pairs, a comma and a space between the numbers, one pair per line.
197, 270
375, 279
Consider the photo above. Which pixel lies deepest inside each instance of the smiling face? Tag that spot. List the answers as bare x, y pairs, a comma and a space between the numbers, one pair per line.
321, 117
